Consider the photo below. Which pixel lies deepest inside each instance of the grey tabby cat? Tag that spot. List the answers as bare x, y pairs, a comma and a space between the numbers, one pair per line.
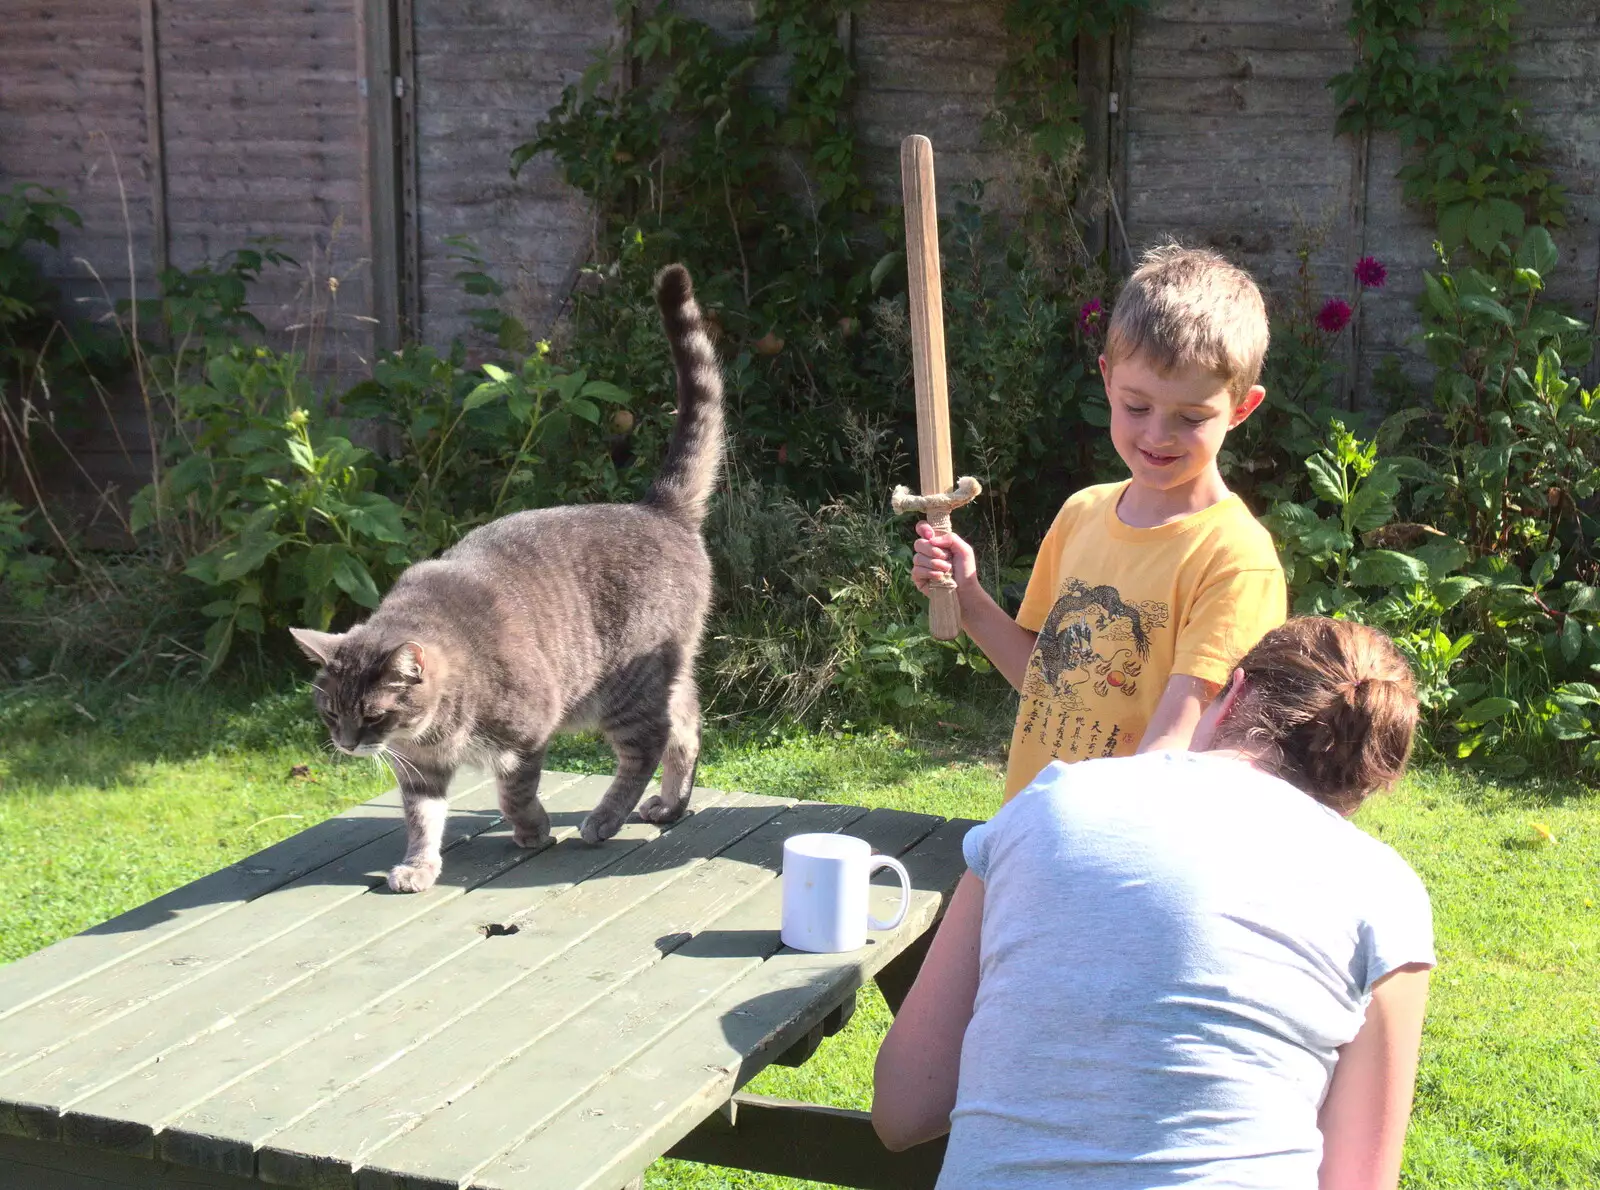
558, 619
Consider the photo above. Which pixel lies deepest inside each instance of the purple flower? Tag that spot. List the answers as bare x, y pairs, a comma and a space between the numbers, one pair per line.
1089, 316
1334, 315
1371, 272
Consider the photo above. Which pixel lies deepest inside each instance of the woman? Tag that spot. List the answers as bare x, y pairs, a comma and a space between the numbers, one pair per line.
1178, 969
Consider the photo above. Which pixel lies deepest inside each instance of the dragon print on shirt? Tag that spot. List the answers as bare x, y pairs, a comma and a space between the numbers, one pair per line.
1092, 643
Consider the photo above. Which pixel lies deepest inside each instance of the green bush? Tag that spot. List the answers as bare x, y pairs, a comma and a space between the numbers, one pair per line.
1476, 547
276, 512
24, 573
48, 370
816, 615
471, 445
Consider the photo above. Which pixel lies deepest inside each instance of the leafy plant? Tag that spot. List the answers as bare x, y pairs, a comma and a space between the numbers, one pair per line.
473, 444
24, 573
280, 514
1478, 167
1523, 453
47, 370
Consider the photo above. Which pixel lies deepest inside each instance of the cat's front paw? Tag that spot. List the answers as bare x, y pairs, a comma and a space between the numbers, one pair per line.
531, 837
599, 826
418, 876
660, 812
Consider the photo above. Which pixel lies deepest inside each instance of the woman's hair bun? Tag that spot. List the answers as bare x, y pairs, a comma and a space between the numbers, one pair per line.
1331, 705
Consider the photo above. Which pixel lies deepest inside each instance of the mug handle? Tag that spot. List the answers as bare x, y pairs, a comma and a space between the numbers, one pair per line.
894, 865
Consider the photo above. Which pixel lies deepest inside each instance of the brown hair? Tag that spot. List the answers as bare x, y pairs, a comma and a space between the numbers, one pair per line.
1328, 705
1187, 306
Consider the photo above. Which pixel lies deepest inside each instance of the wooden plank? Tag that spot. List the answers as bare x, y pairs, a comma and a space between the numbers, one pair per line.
74, 959
520, 1097
1159, 34
41, 1165
1311, 68
107, 1056
1234, 13
1092, 206
445, 18
819, 1144
1125, 94
380, 215
396, 1033
953, 123
584, 1002
320, 90
407, 182
658, 1095
46, 91
978, 20
488, 61
172, 963
128, 1114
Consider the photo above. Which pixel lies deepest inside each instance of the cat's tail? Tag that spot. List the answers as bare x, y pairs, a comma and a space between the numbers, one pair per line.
689, 473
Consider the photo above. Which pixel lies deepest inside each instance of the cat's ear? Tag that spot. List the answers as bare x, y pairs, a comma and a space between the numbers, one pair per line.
319, 646
406, 664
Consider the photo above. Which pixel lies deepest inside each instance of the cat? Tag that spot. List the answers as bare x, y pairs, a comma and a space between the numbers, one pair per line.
557, 619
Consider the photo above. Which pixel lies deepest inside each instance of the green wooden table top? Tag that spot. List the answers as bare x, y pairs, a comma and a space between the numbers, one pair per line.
554, 1019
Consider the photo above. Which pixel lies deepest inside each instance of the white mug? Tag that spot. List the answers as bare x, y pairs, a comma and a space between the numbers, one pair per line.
825, 883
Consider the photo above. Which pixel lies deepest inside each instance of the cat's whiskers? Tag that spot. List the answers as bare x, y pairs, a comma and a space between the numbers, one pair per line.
380, 761
395, 759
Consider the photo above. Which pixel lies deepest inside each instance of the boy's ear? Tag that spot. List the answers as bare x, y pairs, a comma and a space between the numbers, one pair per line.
1251, 402
1105, 369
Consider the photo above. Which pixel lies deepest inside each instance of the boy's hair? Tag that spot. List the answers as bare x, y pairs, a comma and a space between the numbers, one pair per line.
1191, 306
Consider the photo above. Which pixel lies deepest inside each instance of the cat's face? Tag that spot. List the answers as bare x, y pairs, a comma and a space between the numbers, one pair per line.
367, 696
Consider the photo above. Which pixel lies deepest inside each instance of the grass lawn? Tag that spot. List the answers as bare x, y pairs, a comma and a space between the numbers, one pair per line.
107, 800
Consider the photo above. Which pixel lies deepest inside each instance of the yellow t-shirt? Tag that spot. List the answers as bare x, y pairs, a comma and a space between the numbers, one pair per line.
1119, 610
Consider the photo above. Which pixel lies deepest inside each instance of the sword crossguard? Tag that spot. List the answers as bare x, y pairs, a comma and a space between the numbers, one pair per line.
937, 509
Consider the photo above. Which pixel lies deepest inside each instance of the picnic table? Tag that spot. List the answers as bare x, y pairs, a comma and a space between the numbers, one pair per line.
554, 1019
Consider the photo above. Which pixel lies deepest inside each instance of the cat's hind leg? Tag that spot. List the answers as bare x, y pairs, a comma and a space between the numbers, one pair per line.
638, 743
423, 786
680, 759
518, 786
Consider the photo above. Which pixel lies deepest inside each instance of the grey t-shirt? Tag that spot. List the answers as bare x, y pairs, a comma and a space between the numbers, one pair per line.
1174, 947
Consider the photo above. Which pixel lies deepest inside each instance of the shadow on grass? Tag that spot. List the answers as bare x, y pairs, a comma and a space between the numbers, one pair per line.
1488, 794
54, 734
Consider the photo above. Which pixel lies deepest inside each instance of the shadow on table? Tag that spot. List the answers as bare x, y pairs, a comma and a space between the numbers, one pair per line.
357, 851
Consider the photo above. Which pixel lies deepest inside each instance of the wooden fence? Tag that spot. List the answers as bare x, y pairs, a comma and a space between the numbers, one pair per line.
364, 135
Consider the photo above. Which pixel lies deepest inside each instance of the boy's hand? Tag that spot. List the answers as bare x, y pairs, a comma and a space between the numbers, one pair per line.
942, 554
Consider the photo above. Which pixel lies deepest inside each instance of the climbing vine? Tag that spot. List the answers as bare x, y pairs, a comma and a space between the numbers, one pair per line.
1477, 169
1036, 93
740, 156
672, 115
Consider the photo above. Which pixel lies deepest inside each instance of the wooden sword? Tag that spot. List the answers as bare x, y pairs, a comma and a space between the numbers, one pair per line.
940, 493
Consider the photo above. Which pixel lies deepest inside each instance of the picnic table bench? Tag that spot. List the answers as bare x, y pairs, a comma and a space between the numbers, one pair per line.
554, 1019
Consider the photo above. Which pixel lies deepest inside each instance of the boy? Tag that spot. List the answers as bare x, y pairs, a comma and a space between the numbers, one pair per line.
1145, 592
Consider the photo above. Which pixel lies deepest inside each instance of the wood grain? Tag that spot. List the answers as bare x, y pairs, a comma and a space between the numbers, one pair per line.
935, 467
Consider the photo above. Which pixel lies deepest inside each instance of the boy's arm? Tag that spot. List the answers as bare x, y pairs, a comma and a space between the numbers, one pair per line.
1229, 615
1006, 643
1173, 722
